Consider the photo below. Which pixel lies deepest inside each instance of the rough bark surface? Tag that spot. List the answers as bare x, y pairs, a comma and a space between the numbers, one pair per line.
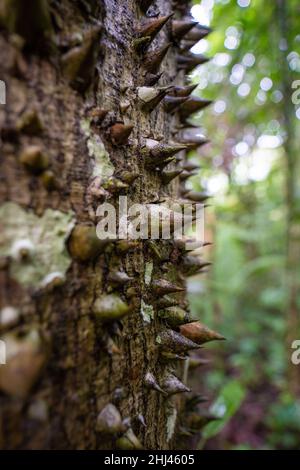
81, 365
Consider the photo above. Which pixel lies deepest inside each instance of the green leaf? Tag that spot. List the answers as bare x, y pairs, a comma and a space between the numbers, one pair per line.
225, 406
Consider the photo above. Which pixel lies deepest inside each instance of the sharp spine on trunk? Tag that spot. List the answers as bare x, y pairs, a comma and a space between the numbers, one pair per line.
151, 382
169, 356
157, 153
34, 159
196, 421
170, 340
181, 27
128, 441
150, 29
189, 61
173, 385
110, 308
171, 103
195, 362
128, 176
192, 265
190, 166
30, 122
194, 142
83, 243
181, 244
78, 63
187, 174
192, 402
98, 114
124, 105
197, 196
150, 97
199, 333
24, 364
49, 180
192, 105
198, 33
153, 59
174, 316
162, 286
120, 132
169, 175
166, 301
119, 277
183, 91
114, 185
109, 421
152, 78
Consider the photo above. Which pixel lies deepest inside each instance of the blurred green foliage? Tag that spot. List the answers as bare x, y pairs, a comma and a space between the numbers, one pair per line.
244, 296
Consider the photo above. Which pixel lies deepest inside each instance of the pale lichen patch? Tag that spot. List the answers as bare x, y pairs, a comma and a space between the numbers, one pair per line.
171, 423
148, 273
103, 166
47, 235
147, 312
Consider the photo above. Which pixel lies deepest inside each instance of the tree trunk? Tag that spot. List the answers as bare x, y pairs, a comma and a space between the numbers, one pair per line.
72, 72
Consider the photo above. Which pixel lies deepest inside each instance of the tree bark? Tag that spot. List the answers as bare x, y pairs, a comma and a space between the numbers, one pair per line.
72, 71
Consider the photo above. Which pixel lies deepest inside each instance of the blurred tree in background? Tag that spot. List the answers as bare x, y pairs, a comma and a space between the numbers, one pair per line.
251, 294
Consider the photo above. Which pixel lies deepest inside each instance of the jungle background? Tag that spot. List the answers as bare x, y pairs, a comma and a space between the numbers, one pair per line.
251, 168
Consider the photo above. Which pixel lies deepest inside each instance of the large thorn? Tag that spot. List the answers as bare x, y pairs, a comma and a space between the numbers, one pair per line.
151, 97
195, 362
166, 301
169, 175
187, 174
120, 132
192, 265
110, 308
78, 63
197, 196
199, 333
196, 421
162, 287
83, 244
151, 382
193, 141
109, 421
152, 78
153, 59
181, 27
157, 153
128, 441
192, 105
26, 359
171, 103
185, 244
119, 277
174, 316
182, 90
169, 356
114, 185
198, 33
189, 61
173, 385
170, 340
152, 27
190, 166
